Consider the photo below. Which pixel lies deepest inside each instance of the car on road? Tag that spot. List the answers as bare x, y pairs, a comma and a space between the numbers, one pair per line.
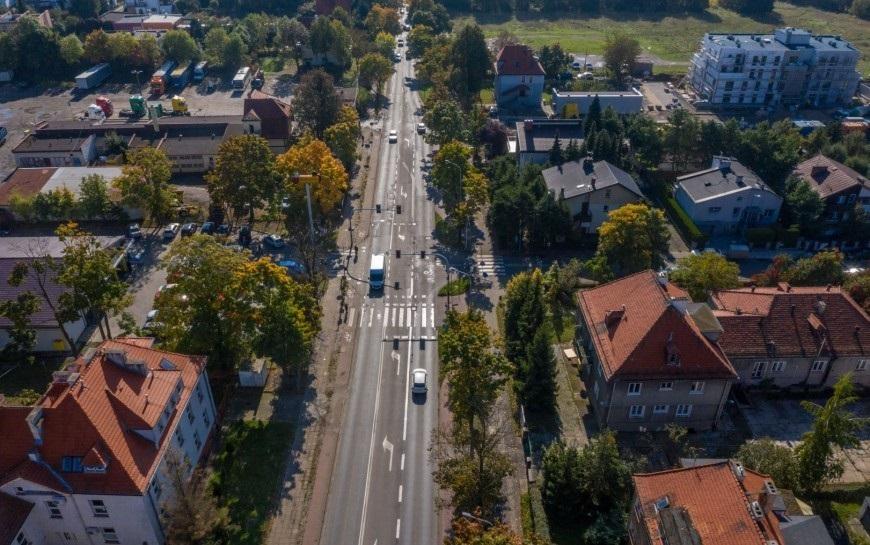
400, 42
285, 203
421, 128
170, 231
586, 76
223, 229
188, 229
406, 27
135, 255
493, 111
151, 316
418, 381
134, 232
207, 228
397, 57
394, 136
576, 65
273, 242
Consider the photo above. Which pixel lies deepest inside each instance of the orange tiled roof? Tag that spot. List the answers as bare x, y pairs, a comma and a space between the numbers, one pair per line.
791, 321
828, 177
635, 325
517, 60
94, 416
718, 504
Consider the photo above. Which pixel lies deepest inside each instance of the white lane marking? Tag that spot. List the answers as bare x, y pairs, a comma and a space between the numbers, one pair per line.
400, 493
394, 318
396, 356
388, 446
351, 315
398, 527
362, 316
402, 463
432, 315
386, 316
407, 382
371, 315
424, 316
401, 316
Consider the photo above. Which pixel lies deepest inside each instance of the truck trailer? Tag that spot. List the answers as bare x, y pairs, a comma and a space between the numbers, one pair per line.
181, 75
160, 80
200, 70
93, 76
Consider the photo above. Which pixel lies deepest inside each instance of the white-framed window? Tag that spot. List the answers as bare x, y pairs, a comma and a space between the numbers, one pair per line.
53, 509
636, 411
634, 388
818, 366
205, 418
778, 366
190, 417
758, 369
666, 386
660, 409
684, 410
697, 387
179, 437
861, 365
98, 508
196, 440
109, 536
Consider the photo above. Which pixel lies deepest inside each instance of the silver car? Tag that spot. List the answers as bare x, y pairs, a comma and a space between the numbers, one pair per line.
418, 381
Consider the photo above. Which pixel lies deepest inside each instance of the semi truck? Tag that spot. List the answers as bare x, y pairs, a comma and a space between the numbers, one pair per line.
181, 75
93, 76
161, 78
200, 70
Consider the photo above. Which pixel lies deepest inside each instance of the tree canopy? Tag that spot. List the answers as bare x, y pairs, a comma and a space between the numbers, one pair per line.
310, 162
702, 273
633, 238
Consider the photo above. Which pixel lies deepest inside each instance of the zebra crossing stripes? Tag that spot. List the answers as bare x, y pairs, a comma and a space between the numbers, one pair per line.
397, 316
489, 264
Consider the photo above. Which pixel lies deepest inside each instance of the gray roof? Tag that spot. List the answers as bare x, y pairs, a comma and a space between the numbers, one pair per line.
576, 177
805, 530
724, 177
538, 135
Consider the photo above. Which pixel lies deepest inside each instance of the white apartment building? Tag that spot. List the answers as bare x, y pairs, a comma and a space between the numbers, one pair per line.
790, 68
86, 464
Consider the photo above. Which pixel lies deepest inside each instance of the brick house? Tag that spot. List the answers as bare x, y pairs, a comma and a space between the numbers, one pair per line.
86, 464
652, 355
836, 184
718, 502
794, 336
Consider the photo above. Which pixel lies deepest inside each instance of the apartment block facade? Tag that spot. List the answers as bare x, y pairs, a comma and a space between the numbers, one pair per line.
791, 67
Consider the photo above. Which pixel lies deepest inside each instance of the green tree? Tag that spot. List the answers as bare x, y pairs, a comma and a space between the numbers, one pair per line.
85, 9
41, 269
681, 139
94, 197
17, 311
524, 313
374, 71
343, 137
316, 104
554, 60
702, 273
179, 46
420, 38
825, 267
860, 8
592, 121
620, 55
609, 527
214, 44
803, 206
71, 50
445, 122
766, 456
858, 286
385, 44
557, 157
191, 515
539, 387
144, 182
244, 175
834, 426
234, 51
748, 7
633, 238
771, 151
469, 57
449, 167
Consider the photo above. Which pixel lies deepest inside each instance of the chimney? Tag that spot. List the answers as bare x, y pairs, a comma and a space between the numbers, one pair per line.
820, 307
740, 180
562, 194
589, 161
722, 163
592, 181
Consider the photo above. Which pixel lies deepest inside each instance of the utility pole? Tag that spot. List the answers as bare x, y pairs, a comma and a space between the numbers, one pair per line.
310, 216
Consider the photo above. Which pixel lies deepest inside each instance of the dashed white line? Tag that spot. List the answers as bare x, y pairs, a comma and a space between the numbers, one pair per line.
398, 527
402, 316
400, 493
351, 316
402, 463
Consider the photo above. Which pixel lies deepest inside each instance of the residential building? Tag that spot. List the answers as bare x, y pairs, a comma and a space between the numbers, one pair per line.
535, 138
591, 190
147, 6
652, 356
836, 184
788, 336
9, 20
275, 117
573, 104
727, 197
719, 502
90, 457
519, 78
791, 67
162, 21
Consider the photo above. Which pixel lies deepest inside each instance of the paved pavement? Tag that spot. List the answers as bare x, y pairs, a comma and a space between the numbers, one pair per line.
382, 489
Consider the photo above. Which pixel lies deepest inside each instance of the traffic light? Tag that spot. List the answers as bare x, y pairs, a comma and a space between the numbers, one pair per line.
378, 208
398, 209
398, 253
423, 253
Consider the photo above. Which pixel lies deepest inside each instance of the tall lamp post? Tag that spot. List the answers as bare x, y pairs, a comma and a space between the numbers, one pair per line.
461, 198
136, 73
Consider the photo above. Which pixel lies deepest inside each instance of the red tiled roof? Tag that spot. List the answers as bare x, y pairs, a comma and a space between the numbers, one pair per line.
635, 325
768, 322
13, 513
517, 60
273, 113
17, 440
95, 415
828, 177
716, 501
25, 182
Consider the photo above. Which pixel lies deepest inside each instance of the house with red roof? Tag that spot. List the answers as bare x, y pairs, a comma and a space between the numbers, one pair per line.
653, 356
718, 502
839, 187
87, 463
793, 337
275, 118
519, 78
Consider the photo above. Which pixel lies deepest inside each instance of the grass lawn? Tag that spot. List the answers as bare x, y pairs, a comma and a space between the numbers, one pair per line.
839, 504
671, 38
455, 287
23, 383
272, 64
247, 472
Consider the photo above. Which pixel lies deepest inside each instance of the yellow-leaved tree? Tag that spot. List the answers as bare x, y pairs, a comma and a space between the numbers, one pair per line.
311, 162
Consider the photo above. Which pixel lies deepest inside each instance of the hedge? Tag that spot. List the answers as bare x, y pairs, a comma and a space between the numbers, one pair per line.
683, 222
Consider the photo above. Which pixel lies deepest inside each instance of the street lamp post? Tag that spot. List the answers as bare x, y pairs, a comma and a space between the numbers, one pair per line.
461, 198
136, 73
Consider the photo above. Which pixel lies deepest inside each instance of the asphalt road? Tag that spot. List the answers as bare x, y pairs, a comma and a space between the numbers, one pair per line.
382, 489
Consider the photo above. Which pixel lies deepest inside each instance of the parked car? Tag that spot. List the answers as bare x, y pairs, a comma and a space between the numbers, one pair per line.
188, 229
134, 232
493, 111
273, 242
421, 128
394, 136
208, 228
418, 381
170, 231
151, 316
135, 255
245, 235
223, 229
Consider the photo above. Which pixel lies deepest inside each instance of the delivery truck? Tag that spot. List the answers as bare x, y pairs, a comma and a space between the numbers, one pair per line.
93, 76
376, 272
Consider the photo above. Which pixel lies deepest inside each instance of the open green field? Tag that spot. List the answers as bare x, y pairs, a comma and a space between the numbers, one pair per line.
671, 38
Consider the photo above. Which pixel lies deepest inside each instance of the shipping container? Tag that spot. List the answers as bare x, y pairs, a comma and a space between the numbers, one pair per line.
93, 76
199, 71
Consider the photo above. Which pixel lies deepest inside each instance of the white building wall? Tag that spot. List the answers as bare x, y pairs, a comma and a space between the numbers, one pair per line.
707, 218
50, 339
505, 83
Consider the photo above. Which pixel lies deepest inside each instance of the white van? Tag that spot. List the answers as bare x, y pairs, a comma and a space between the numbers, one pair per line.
376, 272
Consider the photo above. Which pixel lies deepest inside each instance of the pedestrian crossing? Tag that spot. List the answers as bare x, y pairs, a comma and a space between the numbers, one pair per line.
399, 320
490, 264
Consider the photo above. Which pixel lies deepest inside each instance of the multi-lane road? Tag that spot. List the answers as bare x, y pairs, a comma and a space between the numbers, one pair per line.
381, 490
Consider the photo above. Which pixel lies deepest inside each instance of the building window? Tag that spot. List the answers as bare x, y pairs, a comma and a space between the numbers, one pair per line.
199, 395
636, 411
697, 387
715, 209
109, 536
818, 366
778, 366
660, 409
861, 365
196, 440
190, 417
179, 437
53, 509
684, 411
758, 369
98, 508
71, 464
156, 488
634, 388
666, 386
22, 540
205, 418
735, 211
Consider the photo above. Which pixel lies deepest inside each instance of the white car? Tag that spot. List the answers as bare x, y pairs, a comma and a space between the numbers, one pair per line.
170, 231
421, 128
418, 381
394, 136
151, 316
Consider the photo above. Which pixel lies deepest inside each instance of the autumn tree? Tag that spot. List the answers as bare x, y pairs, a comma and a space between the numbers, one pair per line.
316, 104
144, 182
822, 268
244, 174
633, 238
311, 162
374, 71
474, 531
191, 515
702, 273
343, 137
383, 19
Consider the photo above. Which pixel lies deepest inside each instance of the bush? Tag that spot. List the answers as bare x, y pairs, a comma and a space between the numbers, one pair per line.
759, 236
683, 222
